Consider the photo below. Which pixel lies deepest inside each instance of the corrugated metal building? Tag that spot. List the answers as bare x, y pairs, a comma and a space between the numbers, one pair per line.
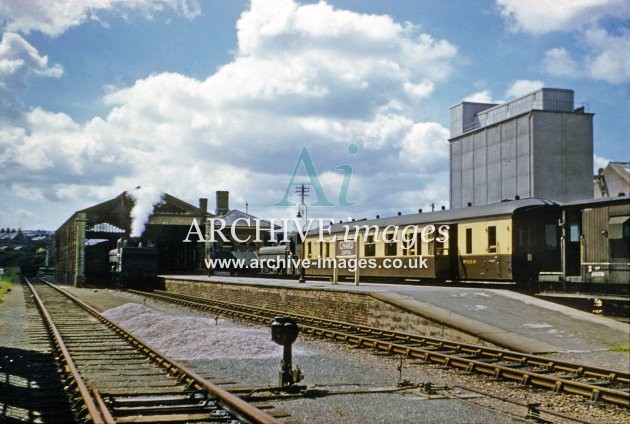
534, 146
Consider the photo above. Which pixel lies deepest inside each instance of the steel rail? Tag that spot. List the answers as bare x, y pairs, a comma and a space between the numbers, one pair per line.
93, 411
234, 404
405, 344
107, 416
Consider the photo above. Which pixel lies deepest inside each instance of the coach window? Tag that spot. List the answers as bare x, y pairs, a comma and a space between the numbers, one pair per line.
369, 248
409, 247
468, 240
391, 248
574, 233
618, 237
492, 239
431, 249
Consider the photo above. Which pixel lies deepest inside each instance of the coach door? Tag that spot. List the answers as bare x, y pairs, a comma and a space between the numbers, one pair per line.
446, 255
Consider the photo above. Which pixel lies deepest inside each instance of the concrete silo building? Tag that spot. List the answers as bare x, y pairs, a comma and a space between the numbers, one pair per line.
536, 146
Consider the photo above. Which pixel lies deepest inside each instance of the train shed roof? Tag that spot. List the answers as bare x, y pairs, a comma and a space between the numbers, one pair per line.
115, 213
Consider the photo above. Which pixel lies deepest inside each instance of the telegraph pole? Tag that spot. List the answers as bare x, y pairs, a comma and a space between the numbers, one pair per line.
302, 192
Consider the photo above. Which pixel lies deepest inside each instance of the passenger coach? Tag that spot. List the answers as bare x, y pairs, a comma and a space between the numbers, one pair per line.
595, 246
508, 241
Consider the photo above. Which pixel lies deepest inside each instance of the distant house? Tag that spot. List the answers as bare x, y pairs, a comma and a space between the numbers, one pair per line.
12, 239
26, 249
244, 226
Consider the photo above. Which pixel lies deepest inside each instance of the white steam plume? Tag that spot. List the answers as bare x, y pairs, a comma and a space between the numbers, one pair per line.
146, 198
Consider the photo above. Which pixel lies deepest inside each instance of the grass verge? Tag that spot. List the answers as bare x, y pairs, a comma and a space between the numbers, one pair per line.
5, 284
8, 277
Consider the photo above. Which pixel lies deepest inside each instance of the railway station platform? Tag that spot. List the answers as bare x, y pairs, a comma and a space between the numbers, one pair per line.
473, 315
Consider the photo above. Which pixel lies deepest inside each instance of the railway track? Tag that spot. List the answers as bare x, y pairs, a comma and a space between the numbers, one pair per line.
115, 377
594, 383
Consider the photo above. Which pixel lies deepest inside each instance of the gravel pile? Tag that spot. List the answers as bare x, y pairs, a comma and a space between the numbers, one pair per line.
195, 338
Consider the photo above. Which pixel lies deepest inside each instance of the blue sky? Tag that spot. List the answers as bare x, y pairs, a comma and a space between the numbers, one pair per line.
189, 97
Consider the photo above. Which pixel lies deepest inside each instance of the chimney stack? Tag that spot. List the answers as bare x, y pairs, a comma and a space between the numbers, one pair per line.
223, 206
203, 204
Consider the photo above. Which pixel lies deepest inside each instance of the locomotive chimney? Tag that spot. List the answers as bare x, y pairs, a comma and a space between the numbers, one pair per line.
203, 204
223, 206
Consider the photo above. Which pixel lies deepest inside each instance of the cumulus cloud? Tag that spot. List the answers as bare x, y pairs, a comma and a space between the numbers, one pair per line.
308, 75
599, 162
558, 62
18, 61
538, 17
31, 193
54, 17
422, 139
603, 52
522, 87
607, 58
517, 89
484, 96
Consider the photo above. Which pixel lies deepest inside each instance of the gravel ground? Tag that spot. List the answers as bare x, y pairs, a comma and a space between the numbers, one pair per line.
13, 319
612, 360
333, 367
245, 355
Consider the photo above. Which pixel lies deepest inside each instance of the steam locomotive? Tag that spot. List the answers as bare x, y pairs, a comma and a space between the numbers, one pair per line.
134, 263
